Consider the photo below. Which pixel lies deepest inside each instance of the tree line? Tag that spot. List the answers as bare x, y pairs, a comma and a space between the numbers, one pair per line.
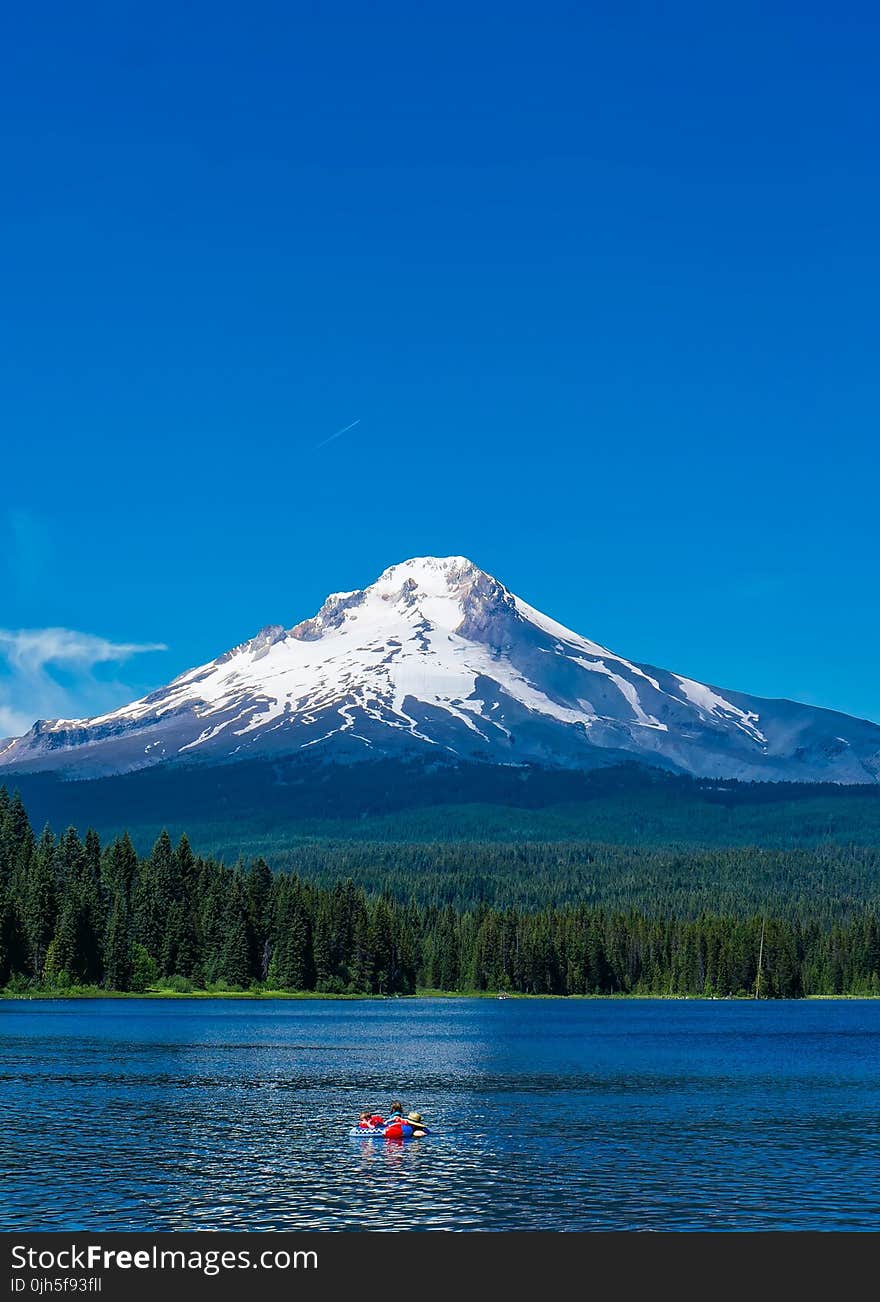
828, 883
74, 913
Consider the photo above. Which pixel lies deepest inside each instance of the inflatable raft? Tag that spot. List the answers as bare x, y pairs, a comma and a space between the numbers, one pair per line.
404, 1132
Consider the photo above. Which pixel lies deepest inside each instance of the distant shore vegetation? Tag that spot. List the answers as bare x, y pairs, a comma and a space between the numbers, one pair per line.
77, 916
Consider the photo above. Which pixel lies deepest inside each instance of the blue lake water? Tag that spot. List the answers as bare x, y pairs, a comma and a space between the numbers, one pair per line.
569, 1115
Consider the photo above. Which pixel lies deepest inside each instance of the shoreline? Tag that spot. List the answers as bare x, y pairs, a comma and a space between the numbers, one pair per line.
256, 996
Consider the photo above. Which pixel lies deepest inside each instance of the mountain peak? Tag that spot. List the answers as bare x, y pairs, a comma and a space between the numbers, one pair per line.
442, 592
436, 656
432, 573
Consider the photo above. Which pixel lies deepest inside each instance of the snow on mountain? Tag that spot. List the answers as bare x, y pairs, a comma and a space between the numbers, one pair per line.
438, 657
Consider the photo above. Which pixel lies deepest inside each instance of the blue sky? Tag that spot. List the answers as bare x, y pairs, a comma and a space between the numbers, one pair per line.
598, 282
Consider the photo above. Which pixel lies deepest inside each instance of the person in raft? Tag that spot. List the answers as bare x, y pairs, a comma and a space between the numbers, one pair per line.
370, 1121
394, 1121
398, 1126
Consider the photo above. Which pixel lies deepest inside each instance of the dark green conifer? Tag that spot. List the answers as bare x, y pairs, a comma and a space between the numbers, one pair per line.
118, 948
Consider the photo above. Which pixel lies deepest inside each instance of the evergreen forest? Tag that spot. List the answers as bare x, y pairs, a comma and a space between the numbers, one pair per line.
77, 915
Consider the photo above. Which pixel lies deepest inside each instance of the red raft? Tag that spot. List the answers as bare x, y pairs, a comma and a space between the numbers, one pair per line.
395, 1130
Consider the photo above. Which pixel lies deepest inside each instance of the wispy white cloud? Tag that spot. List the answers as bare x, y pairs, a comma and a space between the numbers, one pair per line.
34, 648
48, 673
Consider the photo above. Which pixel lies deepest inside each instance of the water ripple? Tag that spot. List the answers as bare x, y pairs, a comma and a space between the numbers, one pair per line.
558, 1115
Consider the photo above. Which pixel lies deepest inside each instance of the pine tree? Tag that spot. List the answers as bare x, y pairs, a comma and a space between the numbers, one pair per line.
326, 976
18, 842
144, 972
40, 903
63, 955
259, 898
119, 868
236, 955
118, 948
292, 966
362, 955
6, 907
153, 896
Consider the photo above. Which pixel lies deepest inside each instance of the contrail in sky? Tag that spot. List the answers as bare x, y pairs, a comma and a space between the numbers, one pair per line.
338, 433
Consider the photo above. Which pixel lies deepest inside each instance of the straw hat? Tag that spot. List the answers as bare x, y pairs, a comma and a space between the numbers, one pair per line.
414, 1116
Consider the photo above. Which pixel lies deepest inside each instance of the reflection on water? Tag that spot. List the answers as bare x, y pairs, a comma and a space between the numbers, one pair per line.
138, 1115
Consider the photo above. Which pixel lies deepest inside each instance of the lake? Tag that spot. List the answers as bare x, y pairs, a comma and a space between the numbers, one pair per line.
548, 1114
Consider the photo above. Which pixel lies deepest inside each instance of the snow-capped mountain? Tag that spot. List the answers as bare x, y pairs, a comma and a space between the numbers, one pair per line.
437, 657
